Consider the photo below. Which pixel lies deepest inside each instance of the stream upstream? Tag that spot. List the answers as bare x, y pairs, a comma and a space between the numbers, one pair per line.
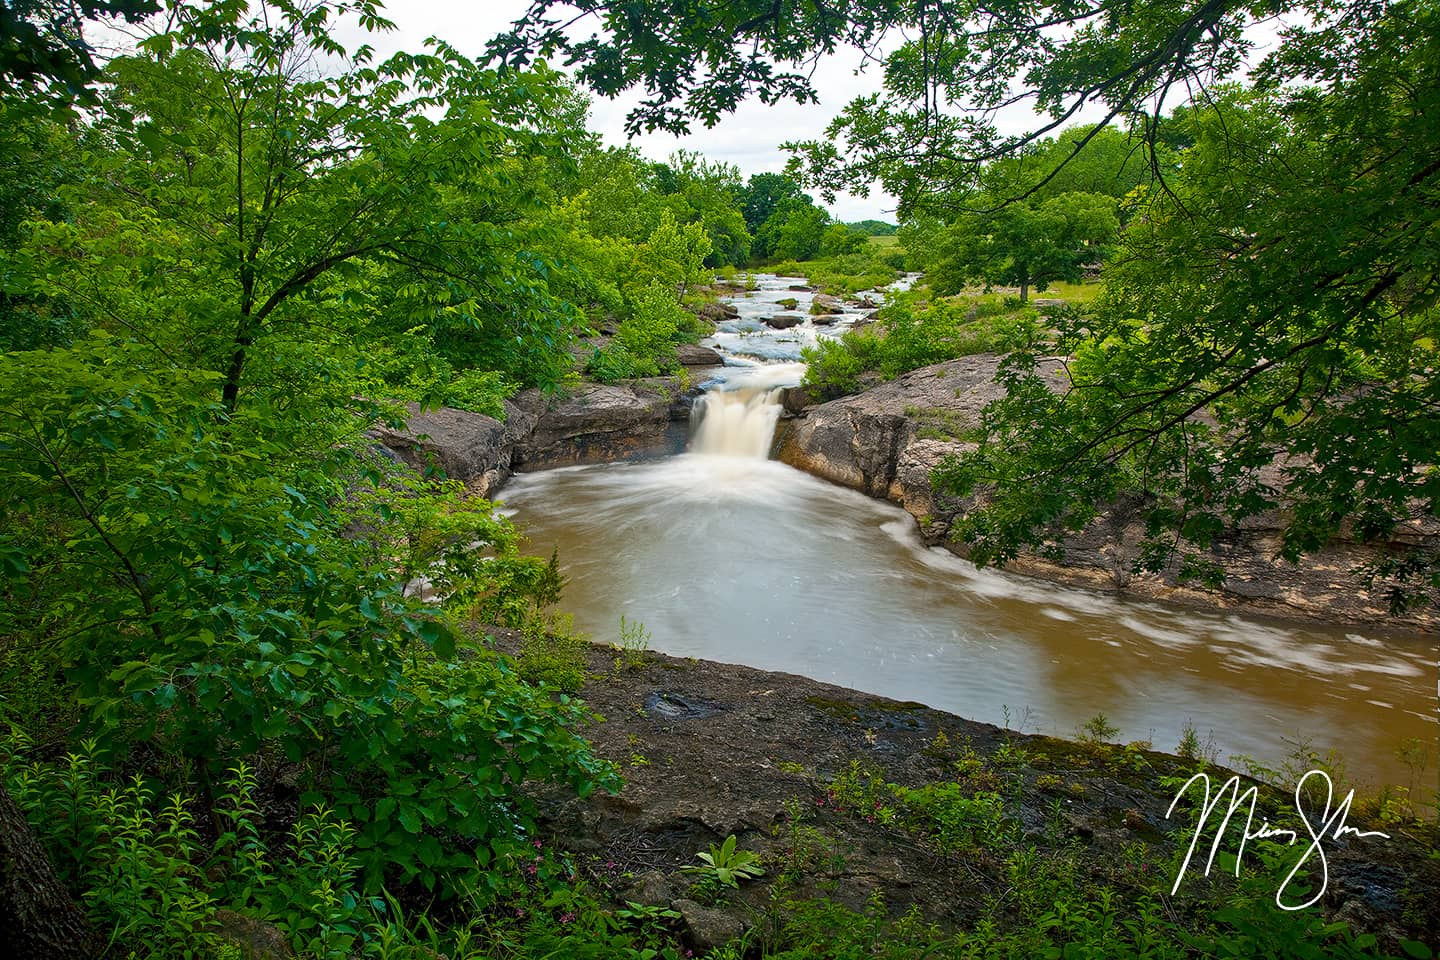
725, 555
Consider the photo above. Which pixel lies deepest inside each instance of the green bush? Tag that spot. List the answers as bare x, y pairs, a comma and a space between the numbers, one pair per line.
912, 336
480, 391
613, 362
227, 595
835, 366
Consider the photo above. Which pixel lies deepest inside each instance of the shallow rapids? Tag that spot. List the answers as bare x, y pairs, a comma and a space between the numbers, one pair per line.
748, 561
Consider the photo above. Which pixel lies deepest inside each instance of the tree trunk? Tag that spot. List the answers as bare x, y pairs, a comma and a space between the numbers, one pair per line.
1024, 292
39, 920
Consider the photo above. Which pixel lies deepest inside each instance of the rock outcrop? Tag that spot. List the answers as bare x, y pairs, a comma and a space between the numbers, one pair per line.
465, 446
593, 424
886, 442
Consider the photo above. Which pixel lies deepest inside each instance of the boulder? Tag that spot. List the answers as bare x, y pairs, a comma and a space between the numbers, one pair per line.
253, 939
801, 288
794, 400
858, 441
597, 422
708, 928
469, 447
651, 888
824, 304
784, 321
824, 319
694, 355
717, 312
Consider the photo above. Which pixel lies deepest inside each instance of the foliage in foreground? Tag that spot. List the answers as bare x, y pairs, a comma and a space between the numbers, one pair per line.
210, 594
156, 883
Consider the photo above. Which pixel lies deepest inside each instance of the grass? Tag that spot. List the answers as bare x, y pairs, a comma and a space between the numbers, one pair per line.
885, 243
1073, 292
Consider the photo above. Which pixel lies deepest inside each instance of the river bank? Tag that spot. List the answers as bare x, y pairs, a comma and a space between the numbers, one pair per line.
870, 803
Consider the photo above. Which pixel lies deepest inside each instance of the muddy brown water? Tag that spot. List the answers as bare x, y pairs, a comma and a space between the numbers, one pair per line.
724, 555
750, 561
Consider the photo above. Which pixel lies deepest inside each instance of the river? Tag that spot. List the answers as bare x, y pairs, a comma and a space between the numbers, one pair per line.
725, 555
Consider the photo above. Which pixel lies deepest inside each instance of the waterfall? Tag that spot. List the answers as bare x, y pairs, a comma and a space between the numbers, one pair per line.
735, 423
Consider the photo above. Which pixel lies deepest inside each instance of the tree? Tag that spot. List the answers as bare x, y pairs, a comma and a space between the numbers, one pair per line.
1309, 343
699, 191
269, 182
763, 194
1027, 245
43, 51
200, 551
39, 920
839, 240
36, 158
1220, 379
793, 232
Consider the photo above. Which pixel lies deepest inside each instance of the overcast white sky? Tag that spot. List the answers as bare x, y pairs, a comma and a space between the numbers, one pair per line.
750, 138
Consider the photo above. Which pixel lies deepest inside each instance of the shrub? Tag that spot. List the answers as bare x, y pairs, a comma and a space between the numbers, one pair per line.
914, 336
253, 598
480, 391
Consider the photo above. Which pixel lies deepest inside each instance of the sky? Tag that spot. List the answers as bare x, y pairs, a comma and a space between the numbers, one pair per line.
750, 138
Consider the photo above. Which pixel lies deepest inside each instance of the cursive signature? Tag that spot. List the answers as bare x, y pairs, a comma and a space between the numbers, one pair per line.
1331, 824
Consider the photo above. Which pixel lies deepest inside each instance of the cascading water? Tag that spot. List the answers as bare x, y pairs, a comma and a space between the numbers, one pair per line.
735, 423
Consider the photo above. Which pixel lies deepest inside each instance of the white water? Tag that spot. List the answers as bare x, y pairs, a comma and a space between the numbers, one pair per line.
735, 423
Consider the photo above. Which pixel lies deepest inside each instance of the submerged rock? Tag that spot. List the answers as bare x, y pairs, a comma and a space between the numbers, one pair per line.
784, 321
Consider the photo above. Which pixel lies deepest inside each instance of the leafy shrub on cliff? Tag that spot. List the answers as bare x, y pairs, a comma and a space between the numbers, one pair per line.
644, 344
911, 335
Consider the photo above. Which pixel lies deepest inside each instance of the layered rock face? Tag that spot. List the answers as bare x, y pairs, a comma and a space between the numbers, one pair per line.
594, 424
886, 441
